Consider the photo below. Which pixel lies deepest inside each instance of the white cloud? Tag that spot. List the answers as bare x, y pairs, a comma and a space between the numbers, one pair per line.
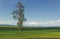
47, 23
7, 22
41, 23
34, 23
51, 22
4, 22
59, 20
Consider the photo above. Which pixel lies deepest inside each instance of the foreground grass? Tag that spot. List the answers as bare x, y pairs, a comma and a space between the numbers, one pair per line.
27, 33
14, 33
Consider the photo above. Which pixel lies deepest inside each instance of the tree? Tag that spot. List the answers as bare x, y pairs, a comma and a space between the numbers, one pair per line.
19, 15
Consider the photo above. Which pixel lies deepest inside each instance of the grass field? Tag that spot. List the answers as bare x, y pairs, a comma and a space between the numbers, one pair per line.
13, 33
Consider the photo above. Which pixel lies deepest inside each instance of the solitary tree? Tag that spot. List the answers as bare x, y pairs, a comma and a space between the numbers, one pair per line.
19, 15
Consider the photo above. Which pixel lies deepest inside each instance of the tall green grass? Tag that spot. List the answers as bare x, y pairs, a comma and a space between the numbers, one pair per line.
13, 32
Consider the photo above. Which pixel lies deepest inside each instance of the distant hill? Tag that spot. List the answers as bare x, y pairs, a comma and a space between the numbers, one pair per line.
6, 25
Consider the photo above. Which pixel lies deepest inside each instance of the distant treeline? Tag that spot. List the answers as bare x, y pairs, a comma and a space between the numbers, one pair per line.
42, 28
30, 28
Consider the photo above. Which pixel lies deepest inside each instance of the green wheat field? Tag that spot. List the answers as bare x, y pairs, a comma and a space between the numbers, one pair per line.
29, 33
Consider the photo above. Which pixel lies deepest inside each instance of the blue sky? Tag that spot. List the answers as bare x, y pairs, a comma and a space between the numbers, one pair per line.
37, 12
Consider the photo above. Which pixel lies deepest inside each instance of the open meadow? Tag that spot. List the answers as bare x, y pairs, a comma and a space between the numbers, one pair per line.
13, 33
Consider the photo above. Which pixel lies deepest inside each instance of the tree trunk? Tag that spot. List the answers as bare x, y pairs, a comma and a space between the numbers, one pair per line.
19, 24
